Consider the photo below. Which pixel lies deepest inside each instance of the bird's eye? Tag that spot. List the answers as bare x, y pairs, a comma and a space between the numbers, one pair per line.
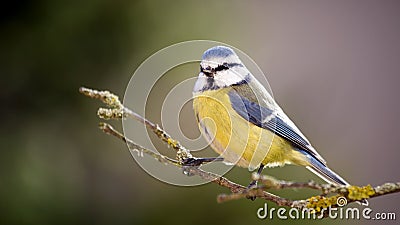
207, 71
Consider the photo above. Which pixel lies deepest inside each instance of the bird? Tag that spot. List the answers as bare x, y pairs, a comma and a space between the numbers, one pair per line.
244, 124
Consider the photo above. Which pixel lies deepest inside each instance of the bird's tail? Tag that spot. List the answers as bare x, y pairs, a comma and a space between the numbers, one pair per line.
327, 174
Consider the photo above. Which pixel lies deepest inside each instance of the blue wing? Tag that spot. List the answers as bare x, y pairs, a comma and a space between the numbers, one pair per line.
265, 118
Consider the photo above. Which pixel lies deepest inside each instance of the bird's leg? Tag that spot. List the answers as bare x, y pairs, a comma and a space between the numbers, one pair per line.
200, 161
254, 182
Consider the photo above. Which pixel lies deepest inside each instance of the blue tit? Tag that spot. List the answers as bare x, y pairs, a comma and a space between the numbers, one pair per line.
244, 124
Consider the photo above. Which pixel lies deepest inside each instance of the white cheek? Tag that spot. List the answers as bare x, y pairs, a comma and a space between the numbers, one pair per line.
222, 79
227, 78
200, 82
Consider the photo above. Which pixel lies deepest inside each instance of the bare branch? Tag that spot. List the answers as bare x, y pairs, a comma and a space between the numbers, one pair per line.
108, 129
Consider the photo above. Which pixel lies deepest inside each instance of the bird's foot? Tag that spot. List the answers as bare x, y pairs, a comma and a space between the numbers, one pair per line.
252, 184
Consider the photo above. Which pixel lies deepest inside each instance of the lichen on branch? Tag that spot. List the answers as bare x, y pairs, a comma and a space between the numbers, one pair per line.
329, 197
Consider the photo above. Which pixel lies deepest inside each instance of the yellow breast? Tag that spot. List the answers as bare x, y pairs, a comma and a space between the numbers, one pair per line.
237, 140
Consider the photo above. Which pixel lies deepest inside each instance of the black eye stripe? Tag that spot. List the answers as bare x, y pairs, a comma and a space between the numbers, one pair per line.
221, 67
209, 71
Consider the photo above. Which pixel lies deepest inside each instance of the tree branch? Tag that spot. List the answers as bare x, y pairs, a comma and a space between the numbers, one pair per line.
116, 110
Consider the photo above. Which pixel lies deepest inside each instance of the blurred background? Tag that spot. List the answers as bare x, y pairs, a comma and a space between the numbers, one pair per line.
333, 67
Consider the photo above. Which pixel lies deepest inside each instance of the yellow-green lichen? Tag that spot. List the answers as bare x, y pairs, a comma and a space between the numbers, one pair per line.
172, 142
353, 193
321, 202
359, 193
110, 113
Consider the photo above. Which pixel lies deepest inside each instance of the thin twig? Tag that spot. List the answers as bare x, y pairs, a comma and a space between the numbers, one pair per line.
108, 129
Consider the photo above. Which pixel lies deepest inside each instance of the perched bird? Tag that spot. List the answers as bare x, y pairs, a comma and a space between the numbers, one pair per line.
244, 124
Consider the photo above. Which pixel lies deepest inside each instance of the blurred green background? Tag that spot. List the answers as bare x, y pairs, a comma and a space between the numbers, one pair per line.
333, 67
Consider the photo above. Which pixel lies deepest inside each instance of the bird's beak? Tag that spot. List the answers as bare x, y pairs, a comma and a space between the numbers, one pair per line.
207, 72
